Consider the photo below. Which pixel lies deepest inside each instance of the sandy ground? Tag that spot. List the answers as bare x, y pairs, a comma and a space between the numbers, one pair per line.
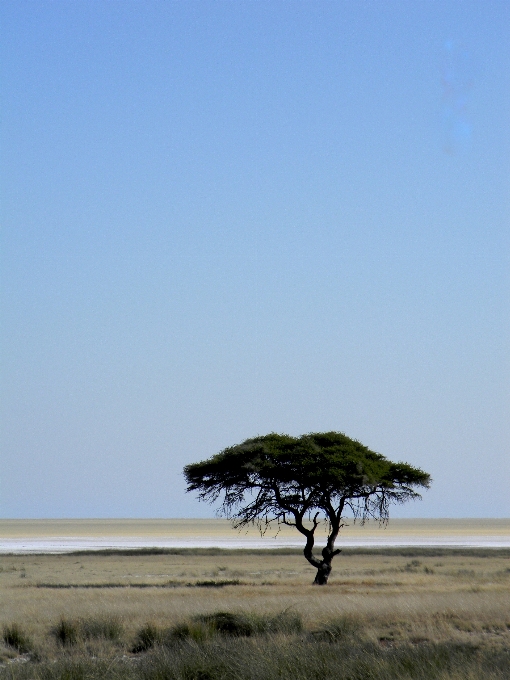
33, 536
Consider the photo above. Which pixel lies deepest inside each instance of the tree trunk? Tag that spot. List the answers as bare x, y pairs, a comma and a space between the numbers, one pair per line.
328, 552
323, 572
323, 566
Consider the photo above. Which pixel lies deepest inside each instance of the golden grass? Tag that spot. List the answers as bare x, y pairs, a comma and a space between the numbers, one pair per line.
453, 596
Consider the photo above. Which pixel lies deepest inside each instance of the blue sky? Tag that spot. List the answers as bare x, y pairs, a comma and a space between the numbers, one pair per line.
222, 219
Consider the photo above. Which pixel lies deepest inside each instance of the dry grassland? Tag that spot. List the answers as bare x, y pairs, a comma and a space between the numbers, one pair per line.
433, 594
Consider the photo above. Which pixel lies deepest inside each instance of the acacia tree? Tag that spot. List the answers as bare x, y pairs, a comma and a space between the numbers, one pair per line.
304, 481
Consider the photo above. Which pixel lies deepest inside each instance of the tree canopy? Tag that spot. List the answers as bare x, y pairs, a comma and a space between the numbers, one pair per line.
301, 481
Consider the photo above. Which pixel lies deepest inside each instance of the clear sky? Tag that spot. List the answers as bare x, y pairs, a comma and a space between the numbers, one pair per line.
222, 219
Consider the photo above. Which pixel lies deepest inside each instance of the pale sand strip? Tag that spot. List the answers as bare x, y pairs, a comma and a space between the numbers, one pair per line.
89, 534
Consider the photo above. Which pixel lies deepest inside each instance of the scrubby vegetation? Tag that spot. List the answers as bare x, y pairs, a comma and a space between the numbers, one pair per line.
238, 646
395, 615
16, 638
68, 632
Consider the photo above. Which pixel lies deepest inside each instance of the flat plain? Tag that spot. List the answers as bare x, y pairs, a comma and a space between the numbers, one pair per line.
396, 598
68, 535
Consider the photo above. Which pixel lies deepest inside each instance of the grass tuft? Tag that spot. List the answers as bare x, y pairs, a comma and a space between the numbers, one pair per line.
342, 628
381, 618
148, 637
66, 632
231, 624
15, 637
105, 628
227, 623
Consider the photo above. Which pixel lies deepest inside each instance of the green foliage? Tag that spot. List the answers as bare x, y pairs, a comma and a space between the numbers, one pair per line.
291, 480
15, 637
289, 475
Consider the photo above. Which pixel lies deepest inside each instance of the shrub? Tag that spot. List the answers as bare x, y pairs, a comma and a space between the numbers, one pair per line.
15, 637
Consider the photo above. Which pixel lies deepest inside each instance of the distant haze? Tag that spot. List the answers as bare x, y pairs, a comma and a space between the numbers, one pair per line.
222, 219
31, 536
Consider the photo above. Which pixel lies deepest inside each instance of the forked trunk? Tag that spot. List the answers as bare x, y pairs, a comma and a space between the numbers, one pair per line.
323, 566
323, 572
328, 552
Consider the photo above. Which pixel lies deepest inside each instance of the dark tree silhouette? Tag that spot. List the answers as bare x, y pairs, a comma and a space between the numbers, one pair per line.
303, 481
